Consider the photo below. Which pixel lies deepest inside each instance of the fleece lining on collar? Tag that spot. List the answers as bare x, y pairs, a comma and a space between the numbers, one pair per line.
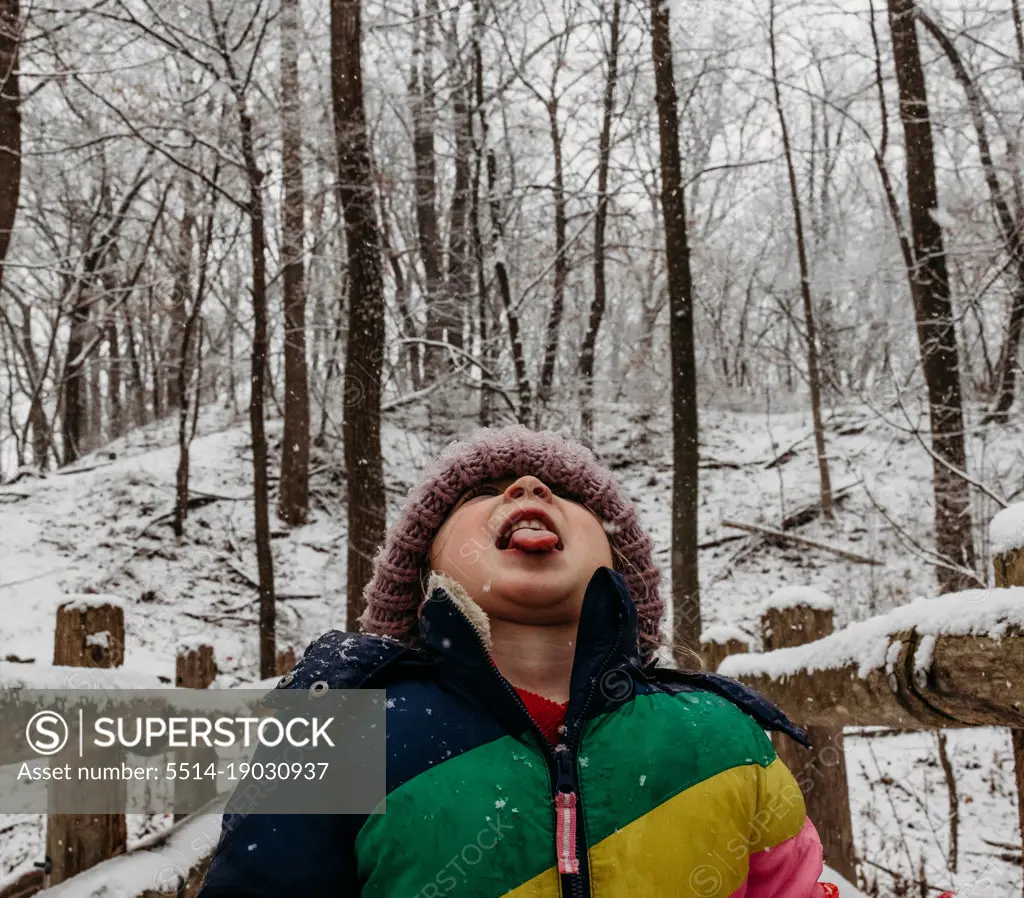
457, 593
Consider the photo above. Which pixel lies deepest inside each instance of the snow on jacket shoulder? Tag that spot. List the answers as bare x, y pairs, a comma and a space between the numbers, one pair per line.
665, 783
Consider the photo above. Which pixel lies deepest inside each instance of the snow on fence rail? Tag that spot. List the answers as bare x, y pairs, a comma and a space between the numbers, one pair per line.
957, 660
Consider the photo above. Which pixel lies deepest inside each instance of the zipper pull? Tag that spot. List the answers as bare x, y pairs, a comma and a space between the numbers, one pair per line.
565, 815
566, 775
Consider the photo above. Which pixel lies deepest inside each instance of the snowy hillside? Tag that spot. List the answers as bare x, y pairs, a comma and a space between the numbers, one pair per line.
103, 528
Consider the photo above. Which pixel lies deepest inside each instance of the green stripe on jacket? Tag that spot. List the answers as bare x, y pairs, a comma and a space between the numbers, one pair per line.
482, 823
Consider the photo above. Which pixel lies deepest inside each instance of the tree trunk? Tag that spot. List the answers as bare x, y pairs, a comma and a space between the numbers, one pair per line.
561, 268
10, 124
487, 350
813, 369
37, 421
421, 92
193, 322
523, 414
686, 623
258, 369
116, 416
94, 405
180, 291
933, 310
1005, 375
293, 490
365, 345
73, 400
138, 380
586, 367
458, 277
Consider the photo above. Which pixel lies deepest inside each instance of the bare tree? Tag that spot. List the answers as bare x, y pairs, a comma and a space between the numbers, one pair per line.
422, 92
940, 356
10, 124
810, 330
458, 279
364, 349
107, 224
258, 257
181, 290
524, 412
192, 331
293, 489
1010, 228
686, 616
597, 307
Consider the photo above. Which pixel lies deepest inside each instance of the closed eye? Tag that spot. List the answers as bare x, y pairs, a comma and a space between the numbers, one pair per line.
563, 493
479, 490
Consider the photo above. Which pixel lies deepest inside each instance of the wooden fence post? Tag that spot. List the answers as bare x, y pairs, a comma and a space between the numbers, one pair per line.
718, 643
286, 660
1007, 536
194, 668
794, 616
89, 634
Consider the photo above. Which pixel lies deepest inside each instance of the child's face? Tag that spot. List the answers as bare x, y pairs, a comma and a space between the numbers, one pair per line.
542, 586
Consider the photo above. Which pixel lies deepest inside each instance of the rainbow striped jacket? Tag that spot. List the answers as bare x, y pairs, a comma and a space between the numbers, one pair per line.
665, 783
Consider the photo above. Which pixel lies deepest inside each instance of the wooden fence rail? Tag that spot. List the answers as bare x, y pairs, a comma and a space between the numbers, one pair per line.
89, 651
954, 661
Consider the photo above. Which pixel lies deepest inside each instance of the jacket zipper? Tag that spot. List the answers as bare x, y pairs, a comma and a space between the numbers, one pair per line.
569, 835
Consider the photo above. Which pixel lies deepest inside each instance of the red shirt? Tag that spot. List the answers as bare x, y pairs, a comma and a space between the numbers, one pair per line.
548, 715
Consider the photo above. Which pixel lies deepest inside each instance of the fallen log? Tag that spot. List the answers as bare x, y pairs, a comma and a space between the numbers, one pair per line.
803, 515
953, 661
781, 535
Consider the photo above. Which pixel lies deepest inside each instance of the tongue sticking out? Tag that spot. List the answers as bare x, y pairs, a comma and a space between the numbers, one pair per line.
533, 540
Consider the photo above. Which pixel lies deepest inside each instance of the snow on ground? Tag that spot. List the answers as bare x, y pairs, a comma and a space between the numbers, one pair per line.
106, 531
1007, 529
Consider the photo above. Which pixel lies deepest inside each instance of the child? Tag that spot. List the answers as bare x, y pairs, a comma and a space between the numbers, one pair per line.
534, 747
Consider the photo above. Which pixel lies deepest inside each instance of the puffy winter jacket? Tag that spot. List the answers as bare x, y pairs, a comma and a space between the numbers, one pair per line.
665, 783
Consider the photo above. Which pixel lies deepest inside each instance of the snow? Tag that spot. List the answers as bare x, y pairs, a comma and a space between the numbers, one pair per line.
973, 612
101, 639
722, 633
797, 596
82, 603
846, 888
192, 643
159, 863
1006, 532
943, 218
53, 676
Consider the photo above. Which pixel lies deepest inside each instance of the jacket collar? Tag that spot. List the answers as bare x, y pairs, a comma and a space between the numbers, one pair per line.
455, 632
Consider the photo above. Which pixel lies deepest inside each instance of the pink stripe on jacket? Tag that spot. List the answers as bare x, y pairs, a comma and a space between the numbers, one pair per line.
789, 870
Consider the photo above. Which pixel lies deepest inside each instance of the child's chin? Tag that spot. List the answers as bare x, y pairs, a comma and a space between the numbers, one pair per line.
537, 588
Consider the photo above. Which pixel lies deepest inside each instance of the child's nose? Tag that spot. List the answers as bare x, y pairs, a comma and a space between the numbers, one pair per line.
527, 485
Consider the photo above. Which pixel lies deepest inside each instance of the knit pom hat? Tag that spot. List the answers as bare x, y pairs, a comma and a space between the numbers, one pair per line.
394, 594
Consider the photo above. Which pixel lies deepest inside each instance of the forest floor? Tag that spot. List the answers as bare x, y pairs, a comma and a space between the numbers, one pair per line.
105, 528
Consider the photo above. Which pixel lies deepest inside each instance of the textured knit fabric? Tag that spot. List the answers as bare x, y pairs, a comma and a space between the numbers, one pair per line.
394, 593
678, 789
547, 714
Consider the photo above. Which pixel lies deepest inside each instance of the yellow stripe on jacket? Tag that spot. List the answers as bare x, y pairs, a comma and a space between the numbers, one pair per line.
696, 844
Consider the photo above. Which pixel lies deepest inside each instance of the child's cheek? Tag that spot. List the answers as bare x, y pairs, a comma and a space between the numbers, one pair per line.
470, 551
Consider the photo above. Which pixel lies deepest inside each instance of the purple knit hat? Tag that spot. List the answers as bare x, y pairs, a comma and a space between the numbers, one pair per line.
394, 594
